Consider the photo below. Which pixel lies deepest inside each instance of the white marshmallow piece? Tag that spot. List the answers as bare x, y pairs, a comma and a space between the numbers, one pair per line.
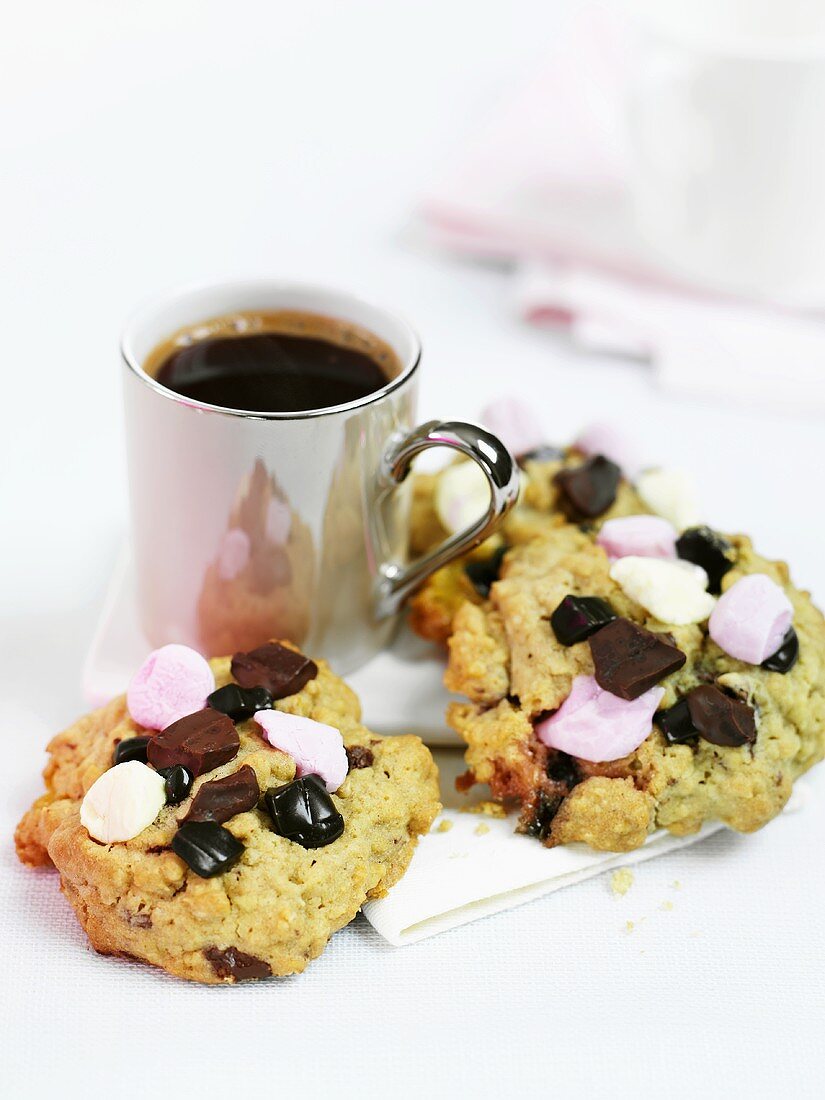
123, 802
671, 591
671, 494
462, 495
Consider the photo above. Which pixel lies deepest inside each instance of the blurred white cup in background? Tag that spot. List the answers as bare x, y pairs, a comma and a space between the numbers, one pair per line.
727, 152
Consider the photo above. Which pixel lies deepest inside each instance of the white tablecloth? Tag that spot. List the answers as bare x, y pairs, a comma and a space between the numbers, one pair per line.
117, 181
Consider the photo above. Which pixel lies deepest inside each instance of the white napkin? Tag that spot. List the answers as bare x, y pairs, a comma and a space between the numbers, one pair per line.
481, 867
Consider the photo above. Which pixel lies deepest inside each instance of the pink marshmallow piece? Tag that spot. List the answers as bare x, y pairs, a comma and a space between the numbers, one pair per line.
315, 748
751, 619
515, 423
595, 725
640, 536
233, 556
278, 521
172, 682
604, 438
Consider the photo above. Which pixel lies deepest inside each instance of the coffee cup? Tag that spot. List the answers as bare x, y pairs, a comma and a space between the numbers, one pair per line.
250, 523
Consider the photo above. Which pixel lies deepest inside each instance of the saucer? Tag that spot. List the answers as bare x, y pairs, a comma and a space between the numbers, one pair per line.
400, 689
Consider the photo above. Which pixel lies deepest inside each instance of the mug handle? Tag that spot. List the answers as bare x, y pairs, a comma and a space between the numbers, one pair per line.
395, 581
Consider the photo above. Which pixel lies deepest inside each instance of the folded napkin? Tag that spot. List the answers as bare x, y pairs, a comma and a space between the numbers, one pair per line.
480, 867
543, 185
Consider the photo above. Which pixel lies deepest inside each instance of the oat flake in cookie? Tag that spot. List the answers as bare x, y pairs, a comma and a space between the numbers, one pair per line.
214, 889
728, 738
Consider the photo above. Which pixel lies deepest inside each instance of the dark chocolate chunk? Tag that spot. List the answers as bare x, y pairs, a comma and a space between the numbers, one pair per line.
302, 811
786, 656
280, 670
541, 821
178, 783
229, 962
206, 847
676, 723
484, 572
630, 660
546, 453
590, 489
707, 548
359, 757
133, 748
562, 769
200, 742
239, 703
221, 799
721, 719
577, 617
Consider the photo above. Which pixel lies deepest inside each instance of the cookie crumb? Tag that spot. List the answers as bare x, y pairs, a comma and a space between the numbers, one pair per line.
621, 881
666, 906
676, 885
481, 829
486, 807
629, 926
443, 826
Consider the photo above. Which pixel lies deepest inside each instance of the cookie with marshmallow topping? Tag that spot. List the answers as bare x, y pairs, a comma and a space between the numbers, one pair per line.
575, 731
209, 886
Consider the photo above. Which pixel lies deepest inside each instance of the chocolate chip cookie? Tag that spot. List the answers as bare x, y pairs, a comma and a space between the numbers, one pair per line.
661, 684
233, 842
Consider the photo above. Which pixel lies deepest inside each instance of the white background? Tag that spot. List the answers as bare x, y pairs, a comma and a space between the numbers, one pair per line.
148, 144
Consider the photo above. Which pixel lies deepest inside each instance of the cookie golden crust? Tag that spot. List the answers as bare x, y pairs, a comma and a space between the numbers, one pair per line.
505, 658
538, 513
275, 910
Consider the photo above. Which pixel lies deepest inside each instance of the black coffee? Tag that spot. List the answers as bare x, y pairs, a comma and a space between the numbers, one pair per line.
274, 362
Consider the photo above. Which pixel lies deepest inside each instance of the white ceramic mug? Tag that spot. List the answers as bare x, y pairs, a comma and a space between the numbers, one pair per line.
725, 124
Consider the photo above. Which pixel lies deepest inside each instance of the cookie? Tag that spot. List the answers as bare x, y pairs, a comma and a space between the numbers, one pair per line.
543, 506
245, 872
602, 727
